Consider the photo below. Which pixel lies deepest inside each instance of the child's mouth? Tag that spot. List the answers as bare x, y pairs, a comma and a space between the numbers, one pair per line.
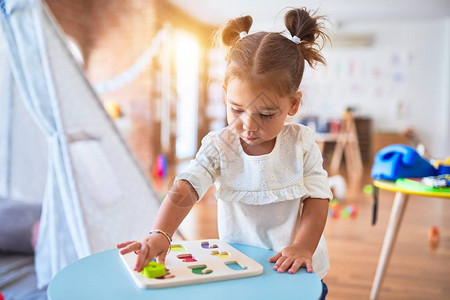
252, 138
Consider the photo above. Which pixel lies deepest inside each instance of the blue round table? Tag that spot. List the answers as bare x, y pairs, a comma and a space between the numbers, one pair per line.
103, 276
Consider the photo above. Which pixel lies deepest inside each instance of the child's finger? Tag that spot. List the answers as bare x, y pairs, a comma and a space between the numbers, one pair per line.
148, 259
159, 258
134, 246
309, 267
286, 264
275, 257
279, 262
295, 266
142, 256
124, 244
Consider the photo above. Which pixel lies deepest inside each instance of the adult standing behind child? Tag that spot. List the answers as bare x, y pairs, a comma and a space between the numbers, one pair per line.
272, 191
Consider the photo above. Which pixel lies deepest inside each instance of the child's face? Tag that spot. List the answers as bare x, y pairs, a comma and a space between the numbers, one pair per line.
257, 115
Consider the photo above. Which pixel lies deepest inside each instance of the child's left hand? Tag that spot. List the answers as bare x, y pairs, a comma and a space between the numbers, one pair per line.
292, 258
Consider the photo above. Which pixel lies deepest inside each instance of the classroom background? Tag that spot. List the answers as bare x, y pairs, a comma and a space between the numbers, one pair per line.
157, 73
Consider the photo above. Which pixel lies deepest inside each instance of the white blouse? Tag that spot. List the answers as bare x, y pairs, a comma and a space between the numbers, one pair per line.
260, 197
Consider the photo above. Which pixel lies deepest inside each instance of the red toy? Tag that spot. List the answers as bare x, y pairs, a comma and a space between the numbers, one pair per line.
433, 237
335, 210
160, 167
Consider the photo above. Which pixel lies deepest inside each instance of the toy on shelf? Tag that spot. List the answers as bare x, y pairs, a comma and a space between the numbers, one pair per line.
191, 262
160, 167
113, 109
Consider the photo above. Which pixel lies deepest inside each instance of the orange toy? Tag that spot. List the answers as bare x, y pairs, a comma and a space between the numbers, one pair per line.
433, 237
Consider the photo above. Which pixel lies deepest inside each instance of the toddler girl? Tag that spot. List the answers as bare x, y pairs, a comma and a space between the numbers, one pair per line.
272, 191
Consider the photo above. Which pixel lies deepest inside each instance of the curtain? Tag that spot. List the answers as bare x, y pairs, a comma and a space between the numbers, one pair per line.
62, 237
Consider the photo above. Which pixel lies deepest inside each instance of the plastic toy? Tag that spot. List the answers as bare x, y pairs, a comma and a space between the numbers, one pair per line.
440, 181
350, 211
154, 270
160, 167
443, 166
433, 237
368, 189
113, 109
192, 262
400, 161
335, 211
337, 186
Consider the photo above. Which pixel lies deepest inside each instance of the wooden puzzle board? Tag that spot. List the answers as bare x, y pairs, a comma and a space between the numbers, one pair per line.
200, 261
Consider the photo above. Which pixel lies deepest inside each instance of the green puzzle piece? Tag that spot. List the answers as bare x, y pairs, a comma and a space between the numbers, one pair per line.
198, 270
177, 248
154, 270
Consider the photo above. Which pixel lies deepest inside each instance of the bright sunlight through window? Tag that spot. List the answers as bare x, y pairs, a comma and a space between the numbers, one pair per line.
187, 64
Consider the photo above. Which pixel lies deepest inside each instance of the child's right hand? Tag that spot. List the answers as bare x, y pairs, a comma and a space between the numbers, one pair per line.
151, 246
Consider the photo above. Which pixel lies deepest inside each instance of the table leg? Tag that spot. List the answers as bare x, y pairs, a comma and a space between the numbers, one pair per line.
337, 157
398, 208
321, 145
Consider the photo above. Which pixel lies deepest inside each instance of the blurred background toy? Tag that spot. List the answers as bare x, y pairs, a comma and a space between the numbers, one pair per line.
160, 166
113, 109
443, 166
368, 189
350, 211
400, 161
338, 186
440, 181
433, 237
336, 210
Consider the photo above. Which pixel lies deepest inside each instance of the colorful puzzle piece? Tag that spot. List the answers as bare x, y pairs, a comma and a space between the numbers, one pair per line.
206, 245
222, 254
200, 270
177, 248
186, 257
193, 262
154, 270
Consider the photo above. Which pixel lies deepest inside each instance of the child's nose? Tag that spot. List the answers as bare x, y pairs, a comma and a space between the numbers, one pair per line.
249, 122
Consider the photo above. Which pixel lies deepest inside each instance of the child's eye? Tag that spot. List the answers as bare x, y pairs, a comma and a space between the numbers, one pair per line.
264, 116
237, 111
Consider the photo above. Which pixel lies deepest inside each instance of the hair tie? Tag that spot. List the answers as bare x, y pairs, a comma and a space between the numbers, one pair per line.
243, 34
296, 39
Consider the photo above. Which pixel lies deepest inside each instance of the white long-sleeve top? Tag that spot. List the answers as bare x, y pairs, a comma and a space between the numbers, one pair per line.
260, 197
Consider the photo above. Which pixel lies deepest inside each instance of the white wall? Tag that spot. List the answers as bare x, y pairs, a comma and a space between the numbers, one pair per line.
446, 96
401, 80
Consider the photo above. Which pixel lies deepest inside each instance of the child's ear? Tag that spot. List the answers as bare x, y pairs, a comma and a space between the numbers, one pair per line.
296, 100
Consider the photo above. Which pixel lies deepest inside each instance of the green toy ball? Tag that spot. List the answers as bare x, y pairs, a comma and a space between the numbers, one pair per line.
368, 189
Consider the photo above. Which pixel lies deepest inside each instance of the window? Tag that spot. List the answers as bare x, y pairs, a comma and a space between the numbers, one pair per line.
187, 51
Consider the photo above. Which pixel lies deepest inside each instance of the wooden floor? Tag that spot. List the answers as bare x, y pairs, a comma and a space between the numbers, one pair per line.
415, 271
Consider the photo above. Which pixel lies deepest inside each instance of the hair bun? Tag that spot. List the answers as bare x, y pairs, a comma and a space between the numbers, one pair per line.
231, 31
309, 29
